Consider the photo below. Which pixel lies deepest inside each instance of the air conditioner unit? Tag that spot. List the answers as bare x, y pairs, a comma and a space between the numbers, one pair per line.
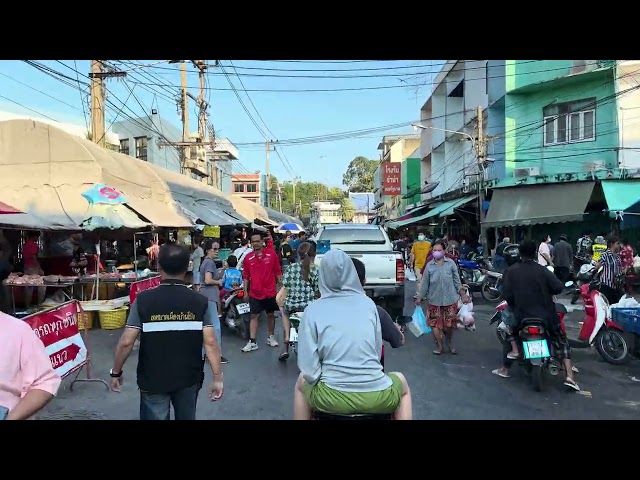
593, 166
526, 172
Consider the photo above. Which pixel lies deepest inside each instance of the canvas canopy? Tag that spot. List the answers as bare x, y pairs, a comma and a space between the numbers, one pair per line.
44, 170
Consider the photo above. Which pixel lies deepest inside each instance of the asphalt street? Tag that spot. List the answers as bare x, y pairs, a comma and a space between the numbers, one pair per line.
461, 387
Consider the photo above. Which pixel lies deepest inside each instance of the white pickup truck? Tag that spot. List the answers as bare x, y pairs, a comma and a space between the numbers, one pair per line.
371, 245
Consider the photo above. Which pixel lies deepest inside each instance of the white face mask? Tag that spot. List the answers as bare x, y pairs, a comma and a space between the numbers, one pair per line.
420, 238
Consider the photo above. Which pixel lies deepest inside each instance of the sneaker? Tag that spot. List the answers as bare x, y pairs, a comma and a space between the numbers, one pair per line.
250, 347
223, 360
271, 341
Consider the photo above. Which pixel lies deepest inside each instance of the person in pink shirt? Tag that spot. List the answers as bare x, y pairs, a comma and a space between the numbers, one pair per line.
27, 379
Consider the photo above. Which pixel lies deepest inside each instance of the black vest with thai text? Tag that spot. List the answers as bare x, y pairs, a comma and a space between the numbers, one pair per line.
170, 356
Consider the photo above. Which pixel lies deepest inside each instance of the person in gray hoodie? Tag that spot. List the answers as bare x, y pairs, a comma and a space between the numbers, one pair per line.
339, 350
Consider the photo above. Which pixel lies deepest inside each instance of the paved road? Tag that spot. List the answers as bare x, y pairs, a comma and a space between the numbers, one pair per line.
460, 387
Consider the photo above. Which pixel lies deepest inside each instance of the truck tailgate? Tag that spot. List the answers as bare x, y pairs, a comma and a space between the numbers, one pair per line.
380, 265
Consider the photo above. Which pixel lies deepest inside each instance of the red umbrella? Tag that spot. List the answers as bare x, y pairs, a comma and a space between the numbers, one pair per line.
7, 209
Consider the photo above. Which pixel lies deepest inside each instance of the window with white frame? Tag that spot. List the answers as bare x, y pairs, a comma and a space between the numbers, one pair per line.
141, 148
569, 122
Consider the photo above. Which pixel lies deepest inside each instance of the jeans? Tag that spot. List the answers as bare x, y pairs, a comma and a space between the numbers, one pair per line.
157, 406
213, 307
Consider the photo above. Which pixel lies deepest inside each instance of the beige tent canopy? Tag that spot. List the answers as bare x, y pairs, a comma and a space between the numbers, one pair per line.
44, 170
188, 191
205, 202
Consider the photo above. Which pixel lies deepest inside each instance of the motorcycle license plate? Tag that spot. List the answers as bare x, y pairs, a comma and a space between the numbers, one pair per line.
293, 334
536, 349
243, 308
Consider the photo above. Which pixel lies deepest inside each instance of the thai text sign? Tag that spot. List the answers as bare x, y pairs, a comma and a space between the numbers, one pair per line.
391, 178
141, 286
58, 330
211, 231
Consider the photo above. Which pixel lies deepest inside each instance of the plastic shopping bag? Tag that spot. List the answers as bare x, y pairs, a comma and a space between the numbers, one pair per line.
419, 324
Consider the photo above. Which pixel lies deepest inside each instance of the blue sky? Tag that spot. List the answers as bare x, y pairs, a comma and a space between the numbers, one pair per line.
288, 115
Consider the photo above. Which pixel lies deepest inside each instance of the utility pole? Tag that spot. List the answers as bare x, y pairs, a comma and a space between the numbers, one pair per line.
186, 149
293, 183
481, 155
268, 149
97, 76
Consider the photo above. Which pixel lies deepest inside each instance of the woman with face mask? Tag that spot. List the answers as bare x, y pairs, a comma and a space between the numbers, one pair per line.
544, 252
441, 287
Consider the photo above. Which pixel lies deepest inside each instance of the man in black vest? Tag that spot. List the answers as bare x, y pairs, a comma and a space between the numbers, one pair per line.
173, 321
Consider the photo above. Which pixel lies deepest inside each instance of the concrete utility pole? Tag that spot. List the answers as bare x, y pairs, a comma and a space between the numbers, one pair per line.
268, 149
186, 149
481, 155
97, 103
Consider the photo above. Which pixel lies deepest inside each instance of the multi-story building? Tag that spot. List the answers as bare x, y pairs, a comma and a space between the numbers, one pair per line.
324, 213
411, 181
149, 138
247, 186
569, 146
393, 149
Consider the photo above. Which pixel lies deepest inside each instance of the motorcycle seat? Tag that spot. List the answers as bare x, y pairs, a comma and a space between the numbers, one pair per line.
533, 321
356, 416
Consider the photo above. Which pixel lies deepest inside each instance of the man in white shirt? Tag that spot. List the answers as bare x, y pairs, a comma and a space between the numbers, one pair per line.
242, 251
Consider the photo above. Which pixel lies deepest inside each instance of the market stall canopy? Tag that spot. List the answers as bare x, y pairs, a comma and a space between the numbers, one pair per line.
621, 195
207, 202
280, 217
108, 210
536, 204
44, 171
251, 210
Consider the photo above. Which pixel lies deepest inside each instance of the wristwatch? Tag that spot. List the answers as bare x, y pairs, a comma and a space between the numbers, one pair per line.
115, 375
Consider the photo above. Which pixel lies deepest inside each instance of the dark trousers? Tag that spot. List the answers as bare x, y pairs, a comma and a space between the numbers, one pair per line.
563, 274
157, 406
613, 295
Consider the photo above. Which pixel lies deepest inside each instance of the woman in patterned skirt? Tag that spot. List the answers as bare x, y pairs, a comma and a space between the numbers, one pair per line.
442, 288
301, 281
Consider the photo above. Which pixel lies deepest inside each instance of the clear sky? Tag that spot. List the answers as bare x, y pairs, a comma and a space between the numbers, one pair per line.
287, 115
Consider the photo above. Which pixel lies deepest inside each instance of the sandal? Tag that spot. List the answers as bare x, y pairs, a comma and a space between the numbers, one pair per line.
572, 384
500, 374
437, 352
453, 351
283, 357
513, 356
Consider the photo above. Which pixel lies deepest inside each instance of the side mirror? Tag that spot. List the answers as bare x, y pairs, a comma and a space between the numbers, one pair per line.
569, 284
404, 320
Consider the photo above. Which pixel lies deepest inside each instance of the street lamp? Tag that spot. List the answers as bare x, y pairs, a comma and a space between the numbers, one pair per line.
417, 126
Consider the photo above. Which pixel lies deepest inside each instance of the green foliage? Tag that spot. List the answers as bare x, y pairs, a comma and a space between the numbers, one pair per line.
359, 175
347, 209
305, 194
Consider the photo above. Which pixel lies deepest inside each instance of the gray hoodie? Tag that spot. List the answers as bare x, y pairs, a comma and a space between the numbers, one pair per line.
340, 340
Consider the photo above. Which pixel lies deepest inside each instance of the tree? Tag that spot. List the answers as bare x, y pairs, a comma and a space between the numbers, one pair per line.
305, 194
347, 210
359, 175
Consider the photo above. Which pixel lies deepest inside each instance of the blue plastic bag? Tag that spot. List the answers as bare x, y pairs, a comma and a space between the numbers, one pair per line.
419, 324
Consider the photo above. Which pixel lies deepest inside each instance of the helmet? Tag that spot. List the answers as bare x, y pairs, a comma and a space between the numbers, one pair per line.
511, 254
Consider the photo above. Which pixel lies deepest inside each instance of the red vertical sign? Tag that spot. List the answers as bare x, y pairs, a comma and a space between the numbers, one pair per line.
391, 178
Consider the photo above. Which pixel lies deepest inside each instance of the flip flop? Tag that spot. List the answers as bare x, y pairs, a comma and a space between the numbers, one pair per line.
500, 374
572, 385
511, 356
437, 352
283, 356
453, 351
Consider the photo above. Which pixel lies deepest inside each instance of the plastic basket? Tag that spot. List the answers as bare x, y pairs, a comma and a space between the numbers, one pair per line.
627, 318
85, 320
113, 319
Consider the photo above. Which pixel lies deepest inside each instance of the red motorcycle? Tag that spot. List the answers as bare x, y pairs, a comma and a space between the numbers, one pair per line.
598, 329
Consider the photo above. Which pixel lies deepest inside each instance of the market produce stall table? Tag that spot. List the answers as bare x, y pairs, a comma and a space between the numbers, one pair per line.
36, 281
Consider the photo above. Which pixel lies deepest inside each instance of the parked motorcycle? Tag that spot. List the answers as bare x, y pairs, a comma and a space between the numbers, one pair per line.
236, 312
491, 286
471, 273
598, 329
584, 276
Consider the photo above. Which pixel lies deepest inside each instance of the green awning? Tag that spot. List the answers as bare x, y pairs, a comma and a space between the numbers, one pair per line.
535, 204
407, 221
621, 195
448, 208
